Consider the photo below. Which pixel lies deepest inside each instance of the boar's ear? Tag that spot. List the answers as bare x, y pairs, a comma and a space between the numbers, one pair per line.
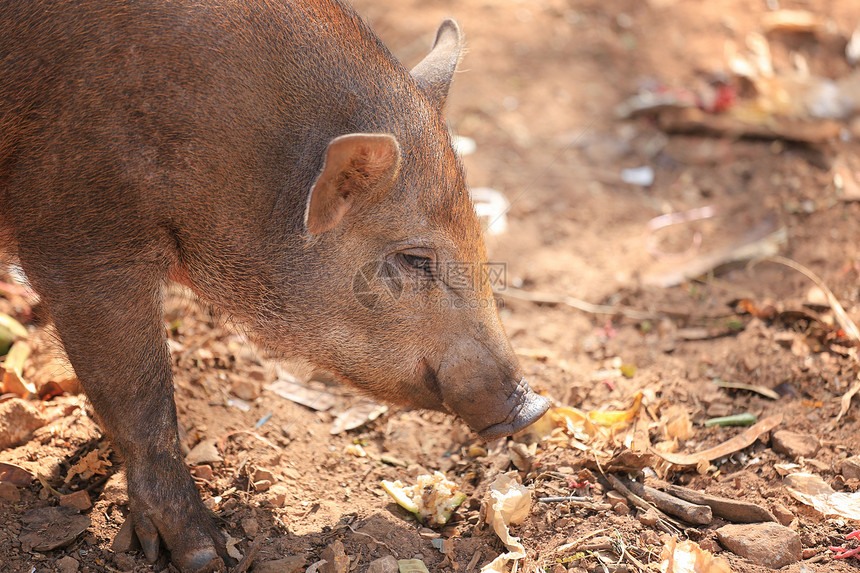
435, 71
357, 167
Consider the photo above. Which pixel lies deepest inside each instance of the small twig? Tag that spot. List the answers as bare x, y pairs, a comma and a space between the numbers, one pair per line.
845, 323
246, 561
375, 540
689, 512
574, 544
664, 521
577, 304
559, 499
846, 402
222, 442
733, 510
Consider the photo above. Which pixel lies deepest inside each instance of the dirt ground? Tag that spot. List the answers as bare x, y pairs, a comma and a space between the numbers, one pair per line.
537, 92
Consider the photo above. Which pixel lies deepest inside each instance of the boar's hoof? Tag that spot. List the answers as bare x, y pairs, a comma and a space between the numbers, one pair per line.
531, 407
201, 561
195, 554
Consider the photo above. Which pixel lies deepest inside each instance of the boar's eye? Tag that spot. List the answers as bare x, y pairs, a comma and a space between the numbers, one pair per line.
417, 261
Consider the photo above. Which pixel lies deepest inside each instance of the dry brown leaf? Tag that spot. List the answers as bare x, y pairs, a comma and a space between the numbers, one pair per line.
728, 447
688, 557
845, 323
88, 466
13, 366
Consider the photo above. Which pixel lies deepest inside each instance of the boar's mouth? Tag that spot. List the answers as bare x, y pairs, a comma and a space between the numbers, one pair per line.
487, 408
526, 408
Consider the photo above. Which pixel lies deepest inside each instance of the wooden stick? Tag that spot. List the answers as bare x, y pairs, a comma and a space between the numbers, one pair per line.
728, 509
689, 512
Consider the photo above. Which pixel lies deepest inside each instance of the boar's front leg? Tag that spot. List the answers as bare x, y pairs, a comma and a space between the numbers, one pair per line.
108, 314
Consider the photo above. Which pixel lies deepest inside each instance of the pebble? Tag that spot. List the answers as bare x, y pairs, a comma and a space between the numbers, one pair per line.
650, 537
123, 561
292, 564
766, 544
67, 564
251, 527
795, 445
79, 500
18, 419
206, 452
203, 472
782, 513
125, 540
649, 518
387, 564
336, 559
116, 489
850, 468
620, 508
10, 493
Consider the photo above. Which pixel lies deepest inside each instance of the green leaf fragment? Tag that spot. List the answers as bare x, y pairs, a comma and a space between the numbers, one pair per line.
745, 419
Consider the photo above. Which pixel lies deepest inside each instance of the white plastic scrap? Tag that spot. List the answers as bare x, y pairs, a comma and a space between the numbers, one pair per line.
491, 207
642, 176
464, 145
511, 502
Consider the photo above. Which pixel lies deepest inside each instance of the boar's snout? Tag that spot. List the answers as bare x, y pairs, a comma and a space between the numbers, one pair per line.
487, 392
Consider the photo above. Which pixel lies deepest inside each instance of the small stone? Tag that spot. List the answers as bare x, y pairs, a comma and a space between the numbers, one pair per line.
521, 457
782, 513
80, 500
266, 475
387, 564
251, 527
613, 497
766, 544
123, 561
475, 451
277, 495
336, 559
248, 390
203, 472
116, 489
559, 568
850, 468
9, 493
620, 508
808, 553
125, 540
649, 518
262, 485
206, 452
650, 537
67, 564
18, 419
795, 445
292, 564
